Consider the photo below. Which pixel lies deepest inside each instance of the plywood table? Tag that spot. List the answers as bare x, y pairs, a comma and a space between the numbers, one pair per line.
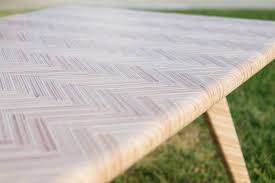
87, 92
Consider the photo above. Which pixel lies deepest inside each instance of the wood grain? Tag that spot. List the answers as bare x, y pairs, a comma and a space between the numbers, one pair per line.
86, 92
225, 136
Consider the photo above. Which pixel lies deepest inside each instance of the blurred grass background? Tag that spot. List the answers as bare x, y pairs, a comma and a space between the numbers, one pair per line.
190, 156
13, 12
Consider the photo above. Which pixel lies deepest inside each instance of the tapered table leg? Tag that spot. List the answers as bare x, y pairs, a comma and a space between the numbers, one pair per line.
225, 136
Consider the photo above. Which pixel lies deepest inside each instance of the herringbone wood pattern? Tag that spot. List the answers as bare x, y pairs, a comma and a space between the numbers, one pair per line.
86, 92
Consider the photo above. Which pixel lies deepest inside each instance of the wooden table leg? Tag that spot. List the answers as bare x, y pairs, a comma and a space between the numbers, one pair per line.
225, 136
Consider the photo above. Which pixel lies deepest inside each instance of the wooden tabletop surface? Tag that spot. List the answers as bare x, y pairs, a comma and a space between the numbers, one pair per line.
86, 92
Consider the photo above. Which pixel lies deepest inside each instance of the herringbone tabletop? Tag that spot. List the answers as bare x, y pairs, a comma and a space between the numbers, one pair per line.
86, 92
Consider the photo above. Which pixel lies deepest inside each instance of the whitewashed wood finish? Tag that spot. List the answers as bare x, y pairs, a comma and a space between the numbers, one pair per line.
86, 92
224, 133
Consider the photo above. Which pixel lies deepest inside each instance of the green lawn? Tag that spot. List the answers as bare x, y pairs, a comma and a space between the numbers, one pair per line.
261, 14
11, 12
190, 156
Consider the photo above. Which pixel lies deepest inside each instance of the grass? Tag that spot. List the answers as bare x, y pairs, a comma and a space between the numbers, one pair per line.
5, 13
190, 156
12, 12
261, 14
